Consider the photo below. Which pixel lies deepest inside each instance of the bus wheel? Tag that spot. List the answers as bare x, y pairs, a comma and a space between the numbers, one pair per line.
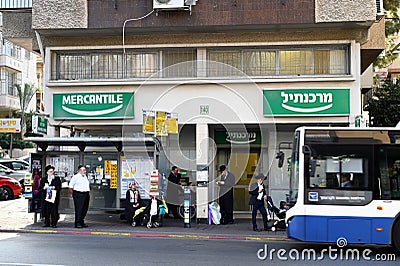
396, 236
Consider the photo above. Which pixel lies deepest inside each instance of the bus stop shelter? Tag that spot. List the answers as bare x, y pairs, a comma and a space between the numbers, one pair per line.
111, 163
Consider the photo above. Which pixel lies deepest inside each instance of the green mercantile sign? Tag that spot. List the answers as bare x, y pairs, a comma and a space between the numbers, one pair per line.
306, 102
93, 105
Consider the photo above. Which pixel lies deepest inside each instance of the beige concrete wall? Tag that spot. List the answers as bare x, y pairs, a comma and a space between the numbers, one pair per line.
56, 14
376, 39
359, 35
344, 10
17, 24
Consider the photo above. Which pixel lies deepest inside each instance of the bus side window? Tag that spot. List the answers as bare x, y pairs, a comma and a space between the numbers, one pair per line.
332, 180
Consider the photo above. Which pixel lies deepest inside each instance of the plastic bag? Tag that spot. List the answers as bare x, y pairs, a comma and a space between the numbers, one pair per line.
215, 212
51, 195
153, 207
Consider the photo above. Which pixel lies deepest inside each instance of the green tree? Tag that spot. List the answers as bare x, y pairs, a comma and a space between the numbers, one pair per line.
392, 27
25, 96
384, 105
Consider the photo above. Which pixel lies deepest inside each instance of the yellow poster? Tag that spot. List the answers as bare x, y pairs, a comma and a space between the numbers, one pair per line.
172, 123
107, 167
10, 125
114, 174
161, 129
149, 122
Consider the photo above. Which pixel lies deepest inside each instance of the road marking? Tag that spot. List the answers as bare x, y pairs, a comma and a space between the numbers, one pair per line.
7, 235
110, 233
28, 264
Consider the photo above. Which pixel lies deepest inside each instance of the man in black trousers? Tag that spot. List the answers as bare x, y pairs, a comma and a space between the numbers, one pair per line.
79, 187
226, 183
174, 186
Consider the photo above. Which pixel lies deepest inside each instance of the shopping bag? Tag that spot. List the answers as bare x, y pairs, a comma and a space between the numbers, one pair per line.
51, 195
153, 207
215, 212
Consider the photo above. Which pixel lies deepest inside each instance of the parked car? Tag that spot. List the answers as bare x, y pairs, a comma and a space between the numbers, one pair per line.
17, 175
15, 164
9, 188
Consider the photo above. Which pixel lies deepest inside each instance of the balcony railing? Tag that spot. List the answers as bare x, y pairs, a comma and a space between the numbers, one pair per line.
15, 4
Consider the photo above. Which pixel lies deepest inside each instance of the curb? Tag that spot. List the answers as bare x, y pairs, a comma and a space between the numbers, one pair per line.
152, 235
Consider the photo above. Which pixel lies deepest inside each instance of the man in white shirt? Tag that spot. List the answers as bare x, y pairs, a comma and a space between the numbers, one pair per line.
79, 188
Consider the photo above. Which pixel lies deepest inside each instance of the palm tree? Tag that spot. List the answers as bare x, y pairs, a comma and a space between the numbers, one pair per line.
25, 96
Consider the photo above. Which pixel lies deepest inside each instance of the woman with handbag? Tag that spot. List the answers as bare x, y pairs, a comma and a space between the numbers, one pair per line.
50, 186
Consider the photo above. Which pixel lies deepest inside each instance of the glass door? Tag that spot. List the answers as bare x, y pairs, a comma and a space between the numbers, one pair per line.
243, 165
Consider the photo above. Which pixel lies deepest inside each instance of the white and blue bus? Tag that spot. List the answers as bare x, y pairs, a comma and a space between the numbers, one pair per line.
345, 183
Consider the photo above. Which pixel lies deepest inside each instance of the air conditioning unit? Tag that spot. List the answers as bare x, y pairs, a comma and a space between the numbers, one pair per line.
168, 4
379, 8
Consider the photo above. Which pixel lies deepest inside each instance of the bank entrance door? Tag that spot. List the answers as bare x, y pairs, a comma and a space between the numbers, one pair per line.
243, 165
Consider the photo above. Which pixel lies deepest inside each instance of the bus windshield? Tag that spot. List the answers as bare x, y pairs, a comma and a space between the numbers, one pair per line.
354, 160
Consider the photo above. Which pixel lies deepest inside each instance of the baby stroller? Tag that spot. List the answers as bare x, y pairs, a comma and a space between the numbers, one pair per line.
138, 217
150, 215
280, 214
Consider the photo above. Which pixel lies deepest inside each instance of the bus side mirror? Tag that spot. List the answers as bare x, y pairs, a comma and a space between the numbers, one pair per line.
281, 157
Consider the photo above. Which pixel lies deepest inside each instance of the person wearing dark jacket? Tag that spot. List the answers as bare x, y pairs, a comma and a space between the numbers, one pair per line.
173, 191
226, 183
50, 184
133, 202
257, 199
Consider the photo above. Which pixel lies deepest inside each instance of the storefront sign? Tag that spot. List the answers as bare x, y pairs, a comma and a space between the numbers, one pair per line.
12, 125
237, 137
39, 124
301, 102
92, 105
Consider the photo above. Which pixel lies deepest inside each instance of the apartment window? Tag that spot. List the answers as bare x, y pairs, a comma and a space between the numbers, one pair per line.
116, 65
141, 64
279, 61
327, 60
9, 78
106, 66
259, 63
10, 49
178, 63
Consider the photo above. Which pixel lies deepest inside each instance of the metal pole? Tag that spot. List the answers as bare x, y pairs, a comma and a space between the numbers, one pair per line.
186, 205
11, 144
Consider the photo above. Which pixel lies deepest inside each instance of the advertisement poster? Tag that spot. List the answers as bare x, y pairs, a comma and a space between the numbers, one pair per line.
172, 123
149, 118
161, 128
64, 166
137, 170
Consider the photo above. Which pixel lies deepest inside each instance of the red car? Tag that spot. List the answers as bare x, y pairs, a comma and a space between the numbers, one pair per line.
9, 188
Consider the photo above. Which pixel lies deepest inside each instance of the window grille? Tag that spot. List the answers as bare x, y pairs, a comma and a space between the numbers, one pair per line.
221, 62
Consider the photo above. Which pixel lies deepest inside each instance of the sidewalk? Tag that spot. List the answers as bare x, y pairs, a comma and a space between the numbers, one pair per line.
109, 223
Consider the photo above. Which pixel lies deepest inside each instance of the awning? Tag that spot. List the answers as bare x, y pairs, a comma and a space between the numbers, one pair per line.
83, 142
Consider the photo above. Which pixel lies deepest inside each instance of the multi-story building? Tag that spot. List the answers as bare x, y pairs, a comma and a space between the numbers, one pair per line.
240, 75
17, 66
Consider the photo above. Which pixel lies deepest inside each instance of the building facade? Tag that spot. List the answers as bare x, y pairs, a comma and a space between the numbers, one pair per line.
240, 76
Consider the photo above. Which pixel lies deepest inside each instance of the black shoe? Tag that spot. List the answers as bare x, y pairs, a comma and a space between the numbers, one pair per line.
256, 230
85, 225
231, 222
78, 226
46, 225
54, 226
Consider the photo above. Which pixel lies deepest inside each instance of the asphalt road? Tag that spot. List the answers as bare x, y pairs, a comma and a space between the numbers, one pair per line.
47, 249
